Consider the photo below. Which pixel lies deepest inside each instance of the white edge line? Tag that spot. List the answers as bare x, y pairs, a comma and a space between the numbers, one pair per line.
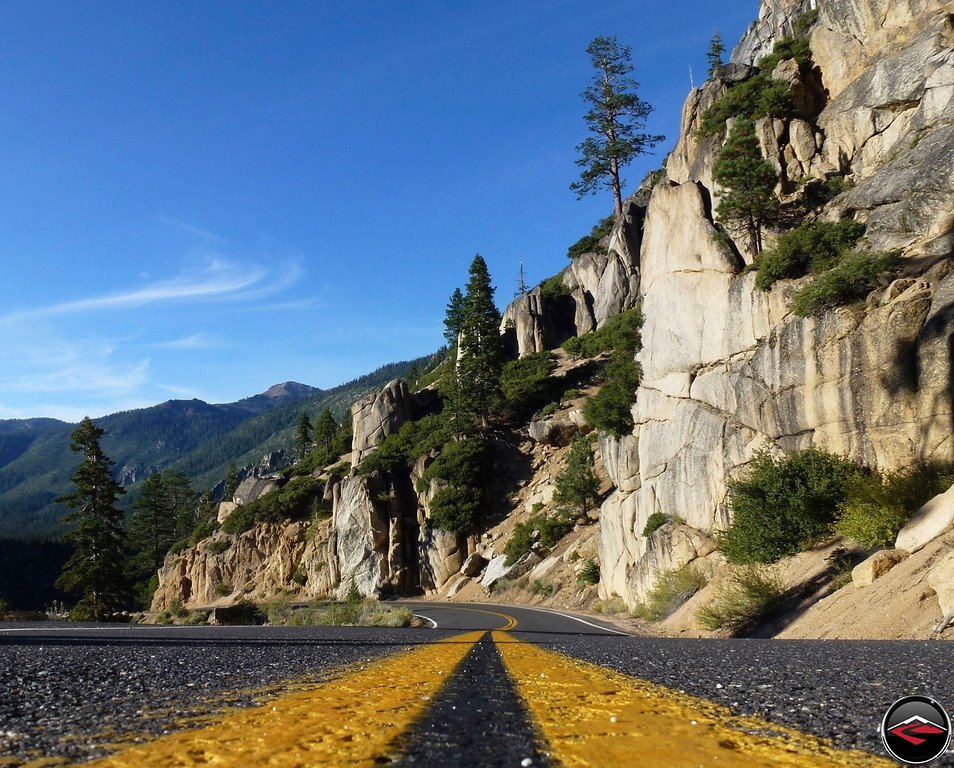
575, 618
425, 618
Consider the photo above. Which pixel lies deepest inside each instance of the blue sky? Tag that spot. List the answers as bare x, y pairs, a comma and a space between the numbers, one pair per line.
204, 199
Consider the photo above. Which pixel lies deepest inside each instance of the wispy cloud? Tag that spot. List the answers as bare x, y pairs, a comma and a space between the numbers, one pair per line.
218, 280
195, 341
192, 229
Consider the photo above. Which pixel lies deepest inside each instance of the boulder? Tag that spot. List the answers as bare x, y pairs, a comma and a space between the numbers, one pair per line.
252, 488
473, 565
442, 556
929, 522
941, 579
226, 508
498, 569
553, 430
876, 566
458, 585
377, 416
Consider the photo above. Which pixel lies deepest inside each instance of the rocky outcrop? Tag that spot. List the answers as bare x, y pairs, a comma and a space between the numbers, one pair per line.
596, 287
377, 416
257, 564
728, 368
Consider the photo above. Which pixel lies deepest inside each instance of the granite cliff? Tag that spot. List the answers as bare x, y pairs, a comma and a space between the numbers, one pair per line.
727, 367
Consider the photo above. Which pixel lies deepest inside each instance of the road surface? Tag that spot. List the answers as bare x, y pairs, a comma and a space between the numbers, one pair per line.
481, 685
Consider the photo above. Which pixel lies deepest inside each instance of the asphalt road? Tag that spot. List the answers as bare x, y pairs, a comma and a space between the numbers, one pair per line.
72, 691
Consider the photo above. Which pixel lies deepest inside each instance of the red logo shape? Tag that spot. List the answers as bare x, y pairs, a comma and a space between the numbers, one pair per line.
914, 727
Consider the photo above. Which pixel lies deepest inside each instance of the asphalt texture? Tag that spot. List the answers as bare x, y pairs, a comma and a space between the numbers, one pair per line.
477, 719
73, 690
69, 691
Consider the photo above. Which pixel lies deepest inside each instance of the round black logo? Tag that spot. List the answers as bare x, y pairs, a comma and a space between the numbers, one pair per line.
916, 730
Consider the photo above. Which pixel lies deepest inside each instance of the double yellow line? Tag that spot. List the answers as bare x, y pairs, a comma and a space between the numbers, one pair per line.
586, 715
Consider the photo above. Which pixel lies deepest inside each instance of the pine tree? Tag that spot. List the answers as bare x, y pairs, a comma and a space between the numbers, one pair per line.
716, 51
182, 501
325, 430
616, 118
748, 180
481, 351
454, 318
152, 530
578, 485
303, 434
522, 289
97, 568
231, 483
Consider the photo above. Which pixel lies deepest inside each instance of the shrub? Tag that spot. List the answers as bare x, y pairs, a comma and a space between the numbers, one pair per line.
412, 440
609, 410
784, 504
521, 540
610, 607
526, 384
760, 95
621, 332
671, 590
554, 528
294, 500
299, 576
463, 465
553, 288
218, 547
851, 280
749, 597
456, 509
543, 588
818, 245
879, 504
222, 589
577, 485
590, 575
549, 409
591, 243
656, 520
570, 394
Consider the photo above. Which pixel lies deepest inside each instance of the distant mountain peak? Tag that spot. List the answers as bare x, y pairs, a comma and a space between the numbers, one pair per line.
288, 389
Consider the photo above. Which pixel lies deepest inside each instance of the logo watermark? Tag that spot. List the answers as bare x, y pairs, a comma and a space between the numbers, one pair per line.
916, 730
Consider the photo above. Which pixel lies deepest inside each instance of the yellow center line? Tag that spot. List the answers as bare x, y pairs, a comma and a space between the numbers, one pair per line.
511, 621
594, 716
350, 721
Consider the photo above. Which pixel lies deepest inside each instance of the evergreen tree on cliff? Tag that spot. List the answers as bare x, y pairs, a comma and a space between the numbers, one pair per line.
303, 434
96, 571
325, 430
182, 501
616, 119
481, 352
578, 485
152, 528
748, 180
454, 318
715, 53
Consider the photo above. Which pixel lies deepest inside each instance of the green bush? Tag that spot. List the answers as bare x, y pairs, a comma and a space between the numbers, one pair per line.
299, 576
851, 280
760, 95
553, 287
521, 540
609, 410
549, 409
456, 509
750, 596
818, 246
526, 384
591, 243
543, 588
220, 546
784, 504
879, 504
412, 440
463, 465
671, 590
570, 394
590, 575
620, 333
655, 521
292, 501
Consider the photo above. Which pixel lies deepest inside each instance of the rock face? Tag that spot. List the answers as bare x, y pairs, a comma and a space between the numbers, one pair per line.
597, 286
728, 368
377, 416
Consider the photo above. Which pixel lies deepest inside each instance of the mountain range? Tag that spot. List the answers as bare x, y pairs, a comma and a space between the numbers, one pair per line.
198, 438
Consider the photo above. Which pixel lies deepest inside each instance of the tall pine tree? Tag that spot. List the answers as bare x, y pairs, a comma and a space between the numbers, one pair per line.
615, 120
96, 571
303, 434
152, 528
747, 198
325, 430
454, 318
578, 486
715, 53
182, 501
481, 358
